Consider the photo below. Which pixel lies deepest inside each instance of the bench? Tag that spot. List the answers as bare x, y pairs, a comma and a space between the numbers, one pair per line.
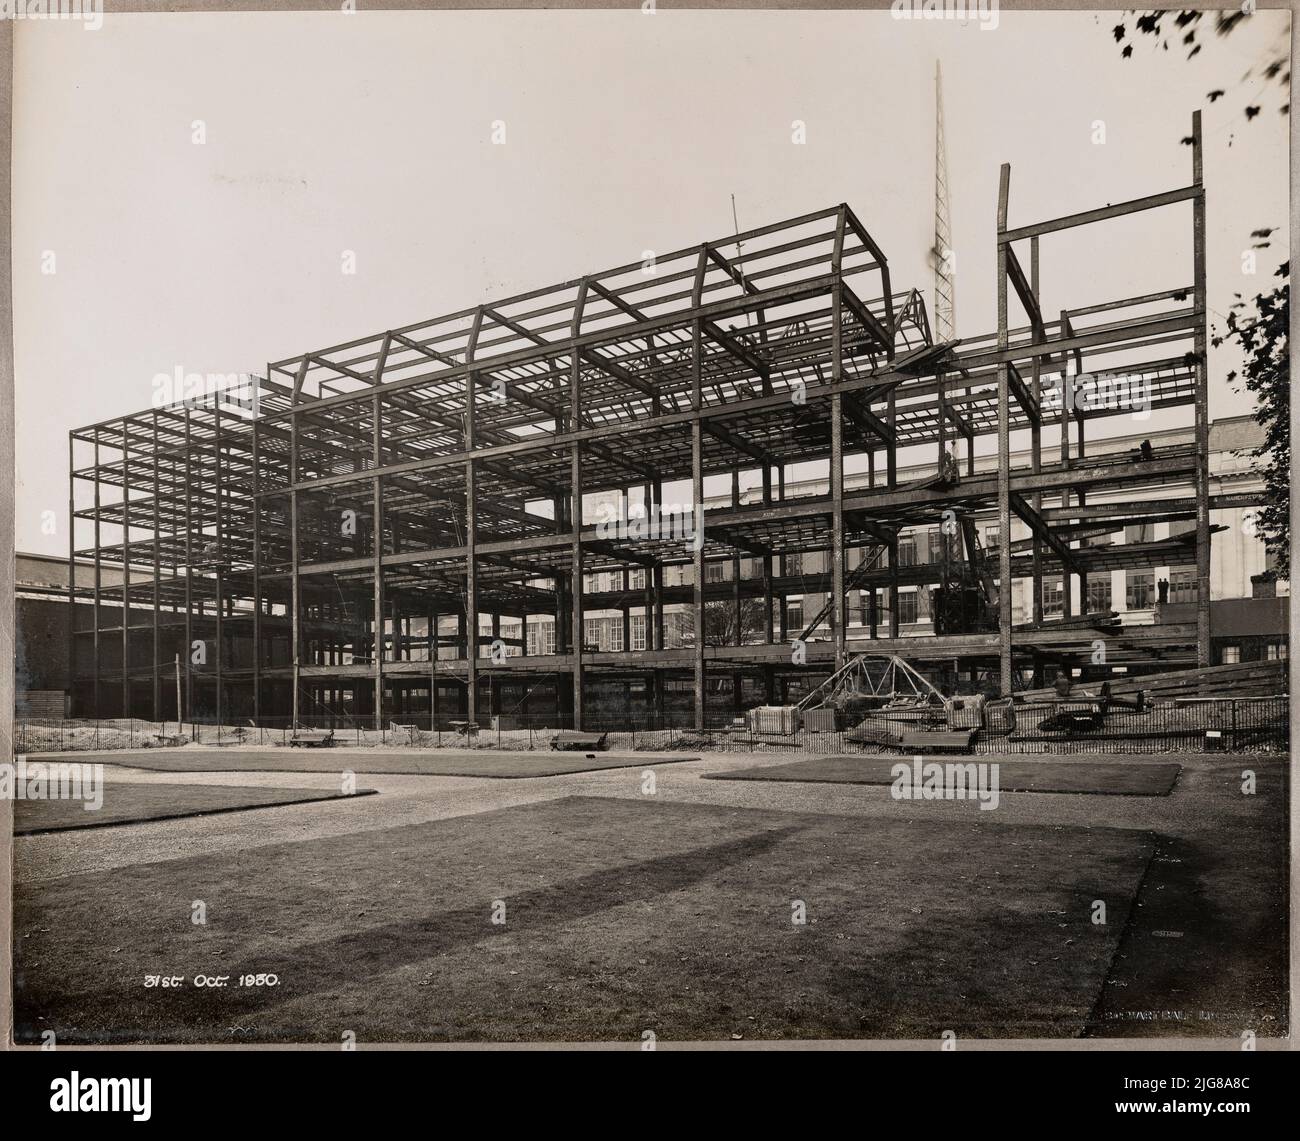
578, 741
307, 739
169, 740
953, 740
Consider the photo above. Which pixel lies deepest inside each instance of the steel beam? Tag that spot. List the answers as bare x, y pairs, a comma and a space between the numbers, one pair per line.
1202, 402
1004, 451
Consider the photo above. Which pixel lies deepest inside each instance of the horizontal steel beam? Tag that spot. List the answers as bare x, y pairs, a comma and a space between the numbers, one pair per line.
1086, 217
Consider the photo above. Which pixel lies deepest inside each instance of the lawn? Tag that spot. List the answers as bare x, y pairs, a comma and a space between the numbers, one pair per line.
479, 763
621, 916
1127, 778
129, 803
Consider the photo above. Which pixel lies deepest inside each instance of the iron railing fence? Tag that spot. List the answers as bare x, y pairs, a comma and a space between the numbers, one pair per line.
1185, 725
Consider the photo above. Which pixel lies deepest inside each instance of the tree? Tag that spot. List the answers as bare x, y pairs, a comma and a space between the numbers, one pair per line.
720, 622
1260, 330
1189, 30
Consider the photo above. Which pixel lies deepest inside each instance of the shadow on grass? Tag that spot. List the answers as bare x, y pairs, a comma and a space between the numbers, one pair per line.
327, 964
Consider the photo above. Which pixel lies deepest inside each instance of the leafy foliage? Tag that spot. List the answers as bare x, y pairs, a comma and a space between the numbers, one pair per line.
720, 622
1188, 31
1260, 331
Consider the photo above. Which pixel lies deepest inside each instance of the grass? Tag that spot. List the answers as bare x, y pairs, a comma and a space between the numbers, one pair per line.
621, 916
1114, 779
508, 766
127, 803
33, 739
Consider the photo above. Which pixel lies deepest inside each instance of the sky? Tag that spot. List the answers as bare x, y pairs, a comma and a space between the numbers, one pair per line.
199, 178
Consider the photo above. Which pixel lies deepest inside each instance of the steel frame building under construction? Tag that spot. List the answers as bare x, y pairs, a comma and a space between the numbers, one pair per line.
310, 557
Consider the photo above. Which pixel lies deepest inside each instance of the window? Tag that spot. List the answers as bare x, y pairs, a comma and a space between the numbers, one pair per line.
1275, 652
1140, 593
1231, 655
991, 538
591, 632
1053, 597
907, 551
1182, 584
793, 564
943, 544
510, 630
794, 618
636, 580
613, 634
638, 632
907, 607
1099, 599
1138, 533
541, 638
713, 572
857, 602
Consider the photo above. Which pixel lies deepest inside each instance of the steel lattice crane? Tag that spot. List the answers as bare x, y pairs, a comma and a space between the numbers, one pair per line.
945, 318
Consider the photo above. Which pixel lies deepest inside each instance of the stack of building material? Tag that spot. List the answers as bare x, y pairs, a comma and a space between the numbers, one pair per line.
774, 719
966, 712
827, 719
873, 732
1239, 679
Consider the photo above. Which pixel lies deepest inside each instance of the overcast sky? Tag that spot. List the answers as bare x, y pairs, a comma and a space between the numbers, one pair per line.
328, 132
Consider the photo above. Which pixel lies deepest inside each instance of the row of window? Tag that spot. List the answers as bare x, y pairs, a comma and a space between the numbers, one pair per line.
604, 633
920, 547
1141, 593
606, 582
1274, 652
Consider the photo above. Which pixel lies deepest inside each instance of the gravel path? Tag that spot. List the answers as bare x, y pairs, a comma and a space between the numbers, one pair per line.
1195, 808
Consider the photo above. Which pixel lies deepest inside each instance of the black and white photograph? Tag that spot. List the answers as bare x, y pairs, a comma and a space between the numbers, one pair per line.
641, 527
